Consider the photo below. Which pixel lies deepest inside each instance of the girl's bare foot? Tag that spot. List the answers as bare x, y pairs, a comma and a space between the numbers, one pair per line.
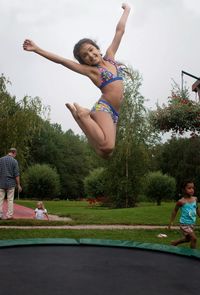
73, 110
78, 111
81, 112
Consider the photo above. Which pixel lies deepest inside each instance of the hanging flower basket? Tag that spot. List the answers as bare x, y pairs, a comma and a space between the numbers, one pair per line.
179, 116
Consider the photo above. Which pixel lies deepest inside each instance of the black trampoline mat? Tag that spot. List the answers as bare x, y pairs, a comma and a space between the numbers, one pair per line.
95, 270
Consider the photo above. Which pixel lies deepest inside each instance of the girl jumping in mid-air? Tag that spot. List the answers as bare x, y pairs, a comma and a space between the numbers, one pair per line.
98, 124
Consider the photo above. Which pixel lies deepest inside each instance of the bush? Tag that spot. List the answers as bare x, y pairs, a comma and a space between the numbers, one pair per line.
41, 181
159, 186
94, 183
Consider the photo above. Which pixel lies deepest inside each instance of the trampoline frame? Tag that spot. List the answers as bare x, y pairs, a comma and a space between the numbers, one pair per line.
100, 242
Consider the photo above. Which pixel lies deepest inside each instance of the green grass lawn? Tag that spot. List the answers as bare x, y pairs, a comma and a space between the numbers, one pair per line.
82, 213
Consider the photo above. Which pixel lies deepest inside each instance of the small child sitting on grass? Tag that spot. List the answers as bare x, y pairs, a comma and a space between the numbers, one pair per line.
40, 211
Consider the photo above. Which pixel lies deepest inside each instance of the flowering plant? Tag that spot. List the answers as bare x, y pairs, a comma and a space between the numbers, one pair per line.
179, 116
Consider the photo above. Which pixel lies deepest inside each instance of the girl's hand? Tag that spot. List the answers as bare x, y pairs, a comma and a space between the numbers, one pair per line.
126, 6
29, 45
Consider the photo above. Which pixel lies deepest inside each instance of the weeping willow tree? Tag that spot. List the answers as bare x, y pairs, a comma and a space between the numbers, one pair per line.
130, 160
20, 120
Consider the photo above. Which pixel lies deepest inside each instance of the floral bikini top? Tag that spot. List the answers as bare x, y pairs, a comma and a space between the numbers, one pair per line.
108, 77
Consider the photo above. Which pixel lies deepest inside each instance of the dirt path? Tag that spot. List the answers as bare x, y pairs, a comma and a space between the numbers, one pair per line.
93, 226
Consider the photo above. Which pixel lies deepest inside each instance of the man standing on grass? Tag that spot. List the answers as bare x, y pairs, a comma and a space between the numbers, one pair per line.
9, 178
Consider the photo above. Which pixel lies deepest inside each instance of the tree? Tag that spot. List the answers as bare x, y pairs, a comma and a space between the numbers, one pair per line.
94, 183
158, 186
130, 160
25, 124
180, 158
41, 182
19, 121
74, 167
66, 152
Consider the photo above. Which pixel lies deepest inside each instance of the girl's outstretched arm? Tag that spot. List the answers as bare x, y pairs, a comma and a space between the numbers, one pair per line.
120, 29
29, 45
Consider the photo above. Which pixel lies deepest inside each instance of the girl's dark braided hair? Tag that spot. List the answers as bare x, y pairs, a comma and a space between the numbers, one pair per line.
78, 45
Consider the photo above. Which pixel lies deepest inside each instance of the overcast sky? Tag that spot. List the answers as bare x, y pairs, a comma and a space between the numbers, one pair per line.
161, 40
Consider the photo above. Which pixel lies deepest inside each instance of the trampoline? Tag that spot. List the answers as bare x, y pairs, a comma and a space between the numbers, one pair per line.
96, 267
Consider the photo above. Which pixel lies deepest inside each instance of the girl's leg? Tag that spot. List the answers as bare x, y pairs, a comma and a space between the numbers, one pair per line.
193, 241
97, 126
186, 239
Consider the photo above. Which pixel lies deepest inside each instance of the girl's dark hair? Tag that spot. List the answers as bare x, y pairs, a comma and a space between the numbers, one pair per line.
185, 182
78, 45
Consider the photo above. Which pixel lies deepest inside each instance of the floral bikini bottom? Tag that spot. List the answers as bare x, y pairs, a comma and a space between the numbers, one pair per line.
104, 106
